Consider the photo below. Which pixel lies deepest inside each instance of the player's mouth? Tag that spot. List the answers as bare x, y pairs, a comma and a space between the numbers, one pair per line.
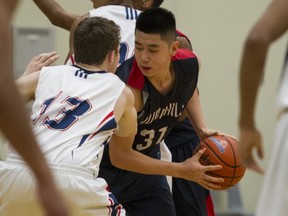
145, 68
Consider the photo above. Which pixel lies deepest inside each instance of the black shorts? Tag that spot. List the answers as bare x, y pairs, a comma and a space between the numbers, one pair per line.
141, 195
189, 197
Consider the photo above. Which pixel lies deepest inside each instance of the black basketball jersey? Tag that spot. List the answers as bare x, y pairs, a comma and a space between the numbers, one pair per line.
160, 112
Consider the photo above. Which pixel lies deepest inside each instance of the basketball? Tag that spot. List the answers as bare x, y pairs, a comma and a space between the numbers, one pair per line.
221, 150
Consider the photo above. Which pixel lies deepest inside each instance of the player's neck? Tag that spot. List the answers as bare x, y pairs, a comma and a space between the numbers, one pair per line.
164, 82
92, 67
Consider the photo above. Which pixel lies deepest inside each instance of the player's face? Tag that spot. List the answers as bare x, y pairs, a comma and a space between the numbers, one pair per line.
153, 54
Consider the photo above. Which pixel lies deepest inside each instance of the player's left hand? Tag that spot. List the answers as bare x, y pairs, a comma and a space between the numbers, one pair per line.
207, 132
39, 61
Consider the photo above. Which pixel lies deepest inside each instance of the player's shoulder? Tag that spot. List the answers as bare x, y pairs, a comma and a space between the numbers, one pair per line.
56, 71
183, 54
186, 62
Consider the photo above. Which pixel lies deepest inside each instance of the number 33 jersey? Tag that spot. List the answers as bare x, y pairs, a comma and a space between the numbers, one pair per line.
72, 115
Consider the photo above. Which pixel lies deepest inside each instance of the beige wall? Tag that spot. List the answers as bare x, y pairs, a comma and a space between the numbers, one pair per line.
217, 30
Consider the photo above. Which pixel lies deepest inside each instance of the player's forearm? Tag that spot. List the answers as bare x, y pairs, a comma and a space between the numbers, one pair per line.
269, 27
128, 159
56, 14
195, 114
251, 74
64, 19
14, 123
140, 163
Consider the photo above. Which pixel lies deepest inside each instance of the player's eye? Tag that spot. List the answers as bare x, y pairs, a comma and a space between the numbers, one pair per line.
153, 50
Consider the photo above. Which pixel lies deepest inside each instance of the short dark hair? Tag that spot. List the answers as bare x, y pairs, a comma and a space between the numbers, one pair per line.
94, 38
157, 3
157, 21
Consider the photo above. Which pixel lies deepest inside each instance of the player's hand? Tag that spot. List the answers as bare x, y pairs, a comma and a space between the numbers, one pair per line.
194, 171
207, 132
250, 139
39, 61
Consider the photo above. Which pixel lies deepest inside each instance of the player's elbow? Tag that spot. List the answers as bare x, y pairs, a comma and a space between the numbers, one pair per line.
257, 40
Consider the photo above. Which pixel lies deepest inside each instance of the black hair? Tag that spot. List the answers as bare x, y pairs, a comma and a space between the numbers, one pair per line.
157, 21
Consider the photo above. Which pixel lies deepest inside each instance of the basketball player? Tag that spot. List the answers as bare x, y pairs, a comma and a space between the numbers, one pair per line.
14, 122
270, 26
164, 168
123, 15
163, 80
189, 197
75, 112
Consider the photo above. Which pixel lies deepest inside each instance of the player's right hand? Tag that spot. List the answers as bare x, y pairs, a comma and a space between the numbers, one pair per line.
194, 171
250, 139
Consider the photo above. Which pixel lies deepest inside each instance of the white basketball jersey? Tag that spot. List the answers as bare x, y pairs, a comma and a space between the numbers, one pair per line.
125, 17
72, 115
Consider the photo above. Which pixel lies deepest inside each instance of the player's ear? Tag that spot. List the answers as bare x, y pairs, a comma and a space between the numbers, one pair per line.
174, 47
146, 4
111, 56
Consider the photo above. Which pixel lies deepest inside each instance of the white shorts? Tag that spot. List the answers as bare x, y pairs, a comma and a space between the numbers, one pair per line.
273, 198
85, 194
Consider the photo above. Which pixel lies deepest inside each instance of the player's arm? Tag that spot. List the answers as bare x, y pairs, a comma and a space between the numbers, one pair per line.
123, 156
56, 14
71, 36
39, 61
195, 114
127, 123
27, 85
272, 24
14, 122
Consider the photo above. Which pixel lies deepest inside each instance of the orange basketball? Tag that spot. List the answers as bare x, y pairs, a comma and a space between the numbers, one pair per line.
221, 150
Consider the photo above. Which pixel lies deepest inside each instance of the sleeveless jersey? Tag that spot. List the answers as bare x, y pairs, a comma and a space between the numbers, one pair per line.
185, 127
160, 112
125, 17
73, 117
